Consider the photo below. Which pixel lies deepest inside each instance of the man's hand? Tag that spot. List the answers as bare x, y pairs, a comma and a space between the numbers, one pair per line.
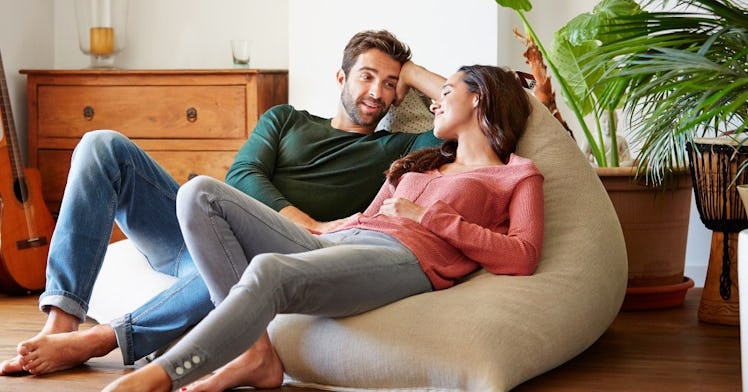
326, 227
302, 219
415, 76
403, 208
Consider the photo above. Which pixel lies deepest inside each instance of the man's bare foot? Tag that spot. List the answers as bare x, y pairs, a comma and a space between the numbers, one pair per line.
150, 378
11, 366
57, 322
258, 367
49, 353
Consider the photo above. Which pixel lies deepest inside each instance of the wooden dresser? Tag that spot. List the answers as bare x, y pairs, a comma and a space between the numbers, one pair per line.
190, 121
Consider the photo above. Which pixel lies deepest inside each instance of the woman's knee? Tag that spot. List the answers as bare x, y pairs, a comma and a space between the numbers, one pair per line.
272, 272
194, 197
264, 269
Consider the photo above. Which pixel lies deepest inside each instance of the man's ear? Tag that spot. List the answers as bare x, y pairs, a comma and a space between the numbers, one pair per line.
340, 76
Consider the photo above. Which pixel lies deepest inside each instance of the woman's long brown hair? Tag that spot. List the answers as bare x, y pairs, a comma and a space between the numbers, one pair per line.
503, 110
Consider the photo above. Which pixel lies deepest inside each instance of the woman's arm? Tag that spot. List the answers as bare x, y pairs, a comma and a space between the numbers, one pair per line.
515, 253
385, 192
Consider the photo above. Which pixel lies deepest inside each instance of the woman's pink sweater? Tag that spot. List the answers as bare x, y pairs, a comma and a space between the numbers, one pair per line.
490, 217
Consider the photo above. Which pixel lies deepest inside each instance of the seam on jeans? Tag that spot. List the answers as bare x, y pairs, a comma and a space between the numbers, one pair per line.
102, 247
182, 282
292, 239
216, 202
124, 325
130, 165
166, 192
46, 299
180, 258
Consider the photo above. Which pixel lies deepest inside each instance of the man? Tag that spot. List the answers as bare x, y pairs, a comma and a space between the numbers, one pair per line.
312, 170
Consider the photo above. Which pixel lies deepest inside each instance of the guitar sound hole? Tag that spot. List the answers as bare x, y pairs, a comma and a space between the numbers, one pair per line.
21, 190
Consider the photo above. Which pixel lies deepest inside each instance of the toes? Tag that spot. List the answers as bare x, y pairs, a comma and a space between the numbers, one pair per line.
35, 367
25, 364
25, 348
25, 359
11, 366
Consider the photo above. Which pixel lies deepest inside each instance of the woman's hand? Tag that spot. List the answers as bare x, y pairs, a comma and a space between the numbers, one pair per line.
403, 208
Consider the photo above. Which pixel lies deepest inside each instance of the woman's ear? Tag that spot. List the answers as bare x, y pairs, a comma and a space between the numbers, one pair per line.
476, 100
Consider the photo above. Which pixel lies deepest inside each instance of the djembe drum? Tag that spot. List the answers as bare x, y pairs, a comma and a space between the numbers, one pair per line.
714, 165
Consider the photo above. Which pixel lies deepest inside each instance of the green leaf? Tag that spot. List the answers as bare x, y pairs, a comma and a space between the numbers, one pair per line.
566, 57
517, 5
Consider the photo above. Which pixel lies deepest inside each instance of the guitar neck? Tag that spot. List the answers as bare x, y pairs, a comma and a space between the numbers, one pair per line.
8, 126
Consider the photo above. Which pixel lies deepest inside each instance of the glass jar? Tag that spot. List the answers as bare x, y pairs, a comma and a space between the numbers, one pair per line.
101, 29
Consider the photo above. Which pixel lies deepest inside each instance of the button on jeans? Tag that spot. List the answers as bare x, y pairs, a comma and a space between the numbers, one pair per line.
280, 268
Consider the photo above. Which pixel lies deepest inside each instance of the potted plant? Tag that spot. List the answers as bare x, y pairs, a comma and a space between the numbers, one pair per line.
655, 223
684, 73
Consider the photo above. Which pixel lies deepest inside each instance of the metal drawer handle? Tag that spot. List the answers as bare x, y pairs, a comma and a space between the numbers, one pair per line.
88, 113
191, 114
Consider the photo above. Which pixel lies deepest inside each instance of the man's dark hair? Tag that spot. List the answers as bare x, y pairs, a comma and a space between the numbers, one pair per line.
374, 39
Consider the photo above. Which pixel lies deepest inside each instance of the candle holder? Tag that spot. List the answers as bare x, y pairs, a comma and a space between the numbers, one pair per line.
101, 29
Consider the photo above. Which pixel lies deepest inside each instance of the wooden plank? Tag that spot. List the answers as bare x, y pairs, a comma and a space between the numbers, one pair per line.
656, 350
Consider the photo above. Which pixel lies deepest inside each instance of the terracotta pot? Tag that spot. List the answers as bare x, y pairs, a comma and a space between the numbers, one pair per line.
655, 226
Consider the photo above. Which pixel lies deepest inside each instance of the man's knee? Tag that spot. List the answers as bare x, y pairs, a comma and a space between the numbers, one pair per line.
101, 137
101, 145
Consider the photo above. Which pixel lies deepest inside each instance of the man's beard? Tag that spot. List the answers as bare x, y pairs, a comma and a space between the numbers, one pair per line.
351, 107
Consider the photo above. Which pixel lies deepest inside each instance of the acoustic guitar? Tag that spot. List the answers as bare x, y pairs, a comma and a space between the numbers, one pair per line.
26, 224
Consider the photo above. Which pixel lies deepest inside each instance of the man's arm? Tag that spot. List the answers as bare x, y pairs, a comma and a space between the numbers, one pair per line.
254, 167
415, 76
254, 164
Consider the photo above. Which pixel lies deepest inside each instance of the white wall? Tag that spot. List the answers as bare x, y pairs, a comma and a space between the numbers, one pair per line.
304, 36
25, 41
185, 34
443, 34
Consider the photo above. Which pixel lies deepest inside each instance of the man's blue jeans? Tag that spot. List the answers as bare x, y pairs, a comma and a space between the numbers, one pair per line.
111, 178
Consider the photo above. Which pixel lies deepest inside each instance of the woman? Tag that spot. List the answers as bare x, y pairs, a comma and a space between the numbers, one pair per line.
442, 213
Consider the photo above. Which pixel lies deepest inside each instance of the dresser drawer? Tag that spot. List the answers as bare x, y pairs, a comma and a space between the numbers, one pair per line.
189, 121
194, 112
179, 164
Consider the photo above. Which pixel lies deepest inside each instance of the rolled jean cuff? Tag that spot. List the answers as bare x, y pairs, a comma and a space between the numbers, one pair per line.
64, 302
122, 327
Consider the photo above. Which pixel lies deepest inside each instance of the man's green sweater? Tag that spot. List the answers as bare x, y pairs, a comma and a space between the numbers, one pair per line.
296, 158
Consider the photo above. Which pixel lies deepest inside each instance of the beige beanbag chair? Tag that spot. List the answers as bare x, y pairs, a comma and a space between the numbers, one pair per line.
489, 333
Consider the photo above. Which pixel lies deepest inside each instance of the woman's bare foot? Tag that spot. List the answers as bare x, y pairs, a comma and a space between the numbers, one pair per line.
150, 378
57, 322
258, 367
47, 353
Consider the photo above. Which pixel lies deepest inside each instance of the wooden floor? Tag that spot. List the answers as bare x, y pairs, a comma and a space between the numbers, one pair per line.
664, 350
